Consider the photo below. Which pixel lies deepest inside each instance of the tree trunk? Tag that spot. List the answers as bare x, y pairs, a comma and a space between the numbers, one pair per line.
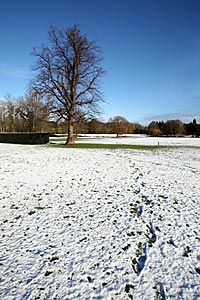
70, 138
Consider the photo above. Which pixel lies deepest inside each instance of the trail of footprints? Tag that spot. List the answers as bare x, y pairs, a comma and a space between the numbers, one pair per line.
139, 260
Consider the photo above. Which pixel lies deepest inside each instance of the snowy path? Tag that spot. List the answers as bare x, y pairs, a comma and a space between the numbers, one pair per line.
99, 224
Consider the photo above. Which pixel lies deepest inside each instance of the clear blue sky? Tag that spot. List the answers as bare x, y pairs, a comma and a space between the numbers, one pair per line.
151, 51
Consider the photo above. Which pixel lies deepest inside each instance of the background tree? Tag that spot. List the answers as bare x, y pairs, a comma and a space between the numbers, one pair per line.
192, 128
81, 123
119, 125
161, 125
10, 113
32, 112
2, 116
95, 126
69, 72
137, 128
174, 127
196, 128
23, 114
153, 129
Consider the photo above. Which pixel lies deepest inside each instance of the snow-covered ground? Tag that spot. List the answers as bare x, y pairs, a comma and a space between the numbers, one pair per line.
139, 140
99, 224
130, 139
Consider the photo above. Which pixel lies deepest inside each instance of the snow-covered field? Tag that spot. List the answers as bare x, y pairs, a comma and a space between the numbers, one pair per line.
130, 139
99, 223
135, 139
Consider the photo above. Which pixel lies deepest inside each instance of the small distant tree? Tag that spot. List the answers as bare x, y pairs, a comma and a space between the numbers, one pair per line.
194, 122
69, 71
119, 125
153, 129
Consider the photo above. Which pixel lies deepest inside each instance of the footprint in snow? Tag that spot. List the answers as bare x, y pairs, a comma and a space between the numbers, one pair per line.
141, 261
160, 292
139, 212
171, 242
151, 239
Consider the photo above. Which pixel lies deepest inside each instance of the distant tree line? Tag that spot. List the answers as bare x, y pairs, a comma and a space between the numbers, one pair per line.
117, 125
31, 114
174, 128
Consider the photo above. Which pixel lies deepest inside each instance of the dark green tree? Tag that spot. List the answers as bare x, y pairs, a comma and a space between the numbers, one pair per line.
174, 127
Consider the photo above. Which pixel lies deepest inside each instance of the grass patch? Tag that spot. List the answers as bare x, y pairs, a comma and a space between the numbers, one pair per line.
47, 273
107, 146
31, 212
118, 146
53, 258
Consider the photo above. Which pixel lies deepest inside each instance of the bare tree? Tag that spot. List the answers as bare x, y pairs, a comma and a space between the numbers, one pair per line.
119, 125
32, 112
3, 113
10, 104
69, 72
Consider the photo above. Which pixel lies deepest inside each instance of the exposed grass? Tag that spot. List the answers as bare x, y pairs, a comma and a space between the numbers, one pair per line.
117, 146
106, 146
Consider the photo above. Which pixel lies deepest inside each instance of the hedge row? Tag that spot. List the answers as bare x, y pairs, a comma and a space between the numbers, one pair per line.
32, 138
